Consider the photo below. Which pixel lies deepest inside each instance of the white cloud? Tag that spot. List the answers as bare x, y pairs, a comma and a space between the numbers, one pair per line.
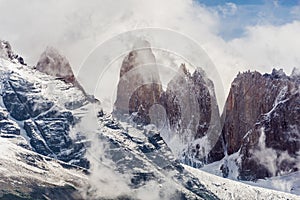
77, 27
265, 47
228, 9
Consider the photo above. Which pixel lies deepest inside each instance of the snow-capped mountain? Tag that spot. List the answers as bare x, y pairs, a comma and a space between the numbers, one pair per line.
43, 114
258, 130
57, 143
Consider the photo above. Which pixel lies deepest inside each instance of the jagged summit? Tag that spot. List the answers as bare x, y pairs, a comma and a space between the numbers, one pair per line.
261, 119
295, 74
278, 73
192, 113
53, 63
7, 53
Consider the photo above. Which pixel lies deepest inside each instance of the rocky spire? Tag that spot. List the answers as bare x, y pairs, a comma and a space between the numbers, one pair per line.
139, 87
53, 63
192, 111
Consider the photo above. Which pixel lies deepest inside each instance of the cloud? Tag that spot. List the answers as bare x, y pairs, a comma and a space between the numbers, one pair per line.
270, 158
77, 27
265, 47
228, 9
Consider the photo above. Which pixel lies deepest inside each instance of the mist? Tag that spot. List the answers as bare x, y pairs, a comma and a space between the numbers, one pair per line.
77, 28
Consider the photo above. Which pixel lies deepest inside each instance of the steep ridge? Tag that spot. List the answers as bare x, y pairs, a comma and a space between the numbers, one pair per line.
28, 175
191, 126
6, 52
51, 62
254, 120
45, 110
40, 113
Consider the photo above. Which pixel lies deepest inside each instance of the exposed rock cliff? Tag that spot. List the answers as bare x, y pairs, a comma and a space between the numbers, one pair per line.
51, 62
7, 53
139, 87
262, 120
193, 114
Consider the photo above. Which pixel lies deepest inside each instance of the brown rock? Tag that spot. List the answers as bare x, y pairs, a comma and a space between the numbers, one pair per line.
139, 87
262, 114
51, 62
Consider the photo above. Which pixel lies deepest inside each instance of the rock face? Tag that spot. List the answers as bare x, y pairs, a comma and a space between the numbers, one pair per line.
7, 53
41, 109
262, 122
51, 62
192, 112
189, 103
139, 87
45, 123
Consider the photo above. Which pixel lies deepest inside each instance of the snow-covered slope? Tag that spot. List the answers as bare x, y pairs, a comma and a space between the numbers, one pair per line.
25, 174
229, 189
57, 144
45, 110
48, 116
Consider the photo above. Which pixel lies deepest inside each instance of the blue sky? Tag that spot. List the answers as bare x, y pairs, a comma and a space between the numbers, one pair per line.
237, 15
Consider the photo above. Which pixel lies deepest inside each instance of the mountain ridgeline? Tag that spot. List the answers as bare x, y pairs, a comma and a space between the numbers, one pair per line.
43, 131
46, 149
261, 117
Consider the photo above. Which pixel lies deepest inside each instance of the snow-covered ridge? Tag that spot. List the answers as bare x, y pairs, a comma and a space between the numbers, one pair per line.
229, 189
23, 172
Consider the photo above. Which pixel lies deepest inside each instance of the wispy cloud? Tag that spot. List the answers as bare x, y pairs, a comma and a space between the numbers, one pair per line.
236, 36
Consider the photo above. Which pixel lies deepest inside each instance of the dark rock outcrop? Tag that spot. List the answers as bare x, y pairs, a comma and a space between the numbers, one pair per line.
46, 124
192, 111
6, 52
189, 103
139, 87
51, 62
262, 121
7, 126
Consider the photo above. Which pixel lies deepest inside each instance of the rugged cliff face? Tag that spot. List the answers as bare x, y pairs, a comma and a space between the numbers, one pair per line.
42, 109
39, 125
139, 87
51, 62
262, 122
261, 114
6, 52
193, 114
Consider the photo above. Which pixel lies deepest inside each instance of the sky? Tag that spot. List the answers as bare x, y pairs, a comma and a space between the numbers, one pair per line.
235, 35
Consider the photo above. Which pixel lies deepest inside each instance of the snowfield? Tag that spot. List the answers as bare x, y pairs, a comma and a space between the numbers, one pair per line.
19, 163
229, 189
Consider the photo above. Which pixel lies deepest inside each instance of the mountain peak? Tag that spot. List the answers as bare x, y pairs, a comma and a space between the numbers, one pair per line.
6, 52
139, 86
278, 73
295, 73
53, 63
